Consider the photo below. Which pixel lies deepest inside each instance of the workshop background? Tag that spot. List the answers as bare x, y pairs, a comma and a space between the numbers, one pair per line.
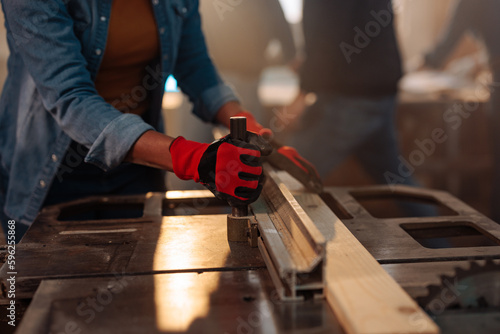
461, 165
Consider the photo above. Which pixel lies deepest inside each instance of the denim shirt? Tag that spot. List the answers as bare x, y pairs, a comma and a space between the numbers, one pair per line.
49, 97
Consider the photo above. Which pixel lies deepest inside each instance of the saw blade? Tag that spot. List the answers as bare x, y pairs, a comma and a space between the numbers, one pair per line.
476, 287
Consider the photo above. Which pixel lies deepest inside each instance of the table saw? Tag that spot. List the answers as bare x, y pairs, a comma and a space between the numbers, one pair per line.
343, 261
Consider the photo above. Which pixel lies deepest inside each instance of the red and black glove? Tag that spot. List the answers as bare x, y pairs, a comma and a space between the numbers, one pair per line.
231, 169
286, 157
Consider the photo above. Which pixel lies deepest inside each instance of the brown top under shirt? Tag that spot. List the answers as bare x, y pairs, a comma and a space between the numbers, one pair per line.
131, 46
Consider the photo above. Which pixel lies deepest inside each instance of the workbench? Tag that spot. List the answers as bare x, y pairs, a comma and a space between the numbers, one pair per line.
83, 268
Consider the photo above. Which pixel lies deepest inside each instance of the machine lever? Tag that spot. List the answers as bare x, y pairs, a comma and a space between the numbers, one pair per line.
238, 130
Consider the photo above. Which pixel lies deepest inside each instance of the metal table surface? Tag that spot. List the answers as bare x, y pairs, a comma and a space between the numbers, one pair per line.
171, 268
151, 274
209, 302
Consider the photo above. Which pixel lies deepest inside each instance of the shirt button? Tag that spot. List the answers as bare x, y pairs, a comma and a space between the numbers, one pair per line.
165, 57
184, 10
98, 52
162, 31
103, 18
155, 2
42, 183
54, 157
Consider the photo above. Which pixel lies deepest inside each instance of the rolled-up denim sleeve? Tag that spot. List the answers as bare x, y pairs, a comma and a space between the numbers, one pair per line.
111, 146
41, 33
195, 72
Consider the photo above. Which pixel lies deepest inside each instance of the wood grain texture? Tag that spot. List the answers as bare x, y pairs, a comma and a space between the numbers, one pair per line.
361, 293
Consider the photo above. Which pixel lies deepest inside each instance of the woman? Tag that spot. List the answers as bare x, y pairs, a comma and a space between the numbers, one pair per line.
86, 79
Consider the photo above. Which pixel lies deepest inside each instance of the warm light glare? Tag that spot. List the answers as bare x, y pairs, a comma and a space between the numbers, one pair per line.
279, 86
178, 300
172, 100
292, 10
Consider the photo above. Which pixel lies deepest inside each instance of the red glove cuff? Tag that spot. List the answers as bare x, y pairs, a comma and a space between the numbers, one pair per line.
186, 156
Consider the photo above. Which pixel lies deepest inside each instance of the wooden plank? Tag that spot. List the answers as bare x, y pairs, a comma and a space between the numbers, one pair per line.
361, 293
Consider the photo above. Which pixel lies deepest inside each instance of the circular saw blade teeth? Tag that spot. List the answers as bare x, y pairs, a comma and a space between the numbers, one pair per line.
474, 265
490, 262
446, 278
476, 287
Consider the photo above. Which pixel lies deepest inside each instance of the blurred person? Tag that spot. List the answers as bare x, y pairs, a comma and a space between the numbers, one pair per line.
479, 18
353, 66
238, 35
80, 109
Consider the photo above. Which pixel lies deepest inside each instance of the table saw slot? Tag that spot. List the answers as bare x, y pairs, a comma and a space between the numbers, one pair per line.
97, 210
109, 209
395, 205
194, 206
335, 206
449, 235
